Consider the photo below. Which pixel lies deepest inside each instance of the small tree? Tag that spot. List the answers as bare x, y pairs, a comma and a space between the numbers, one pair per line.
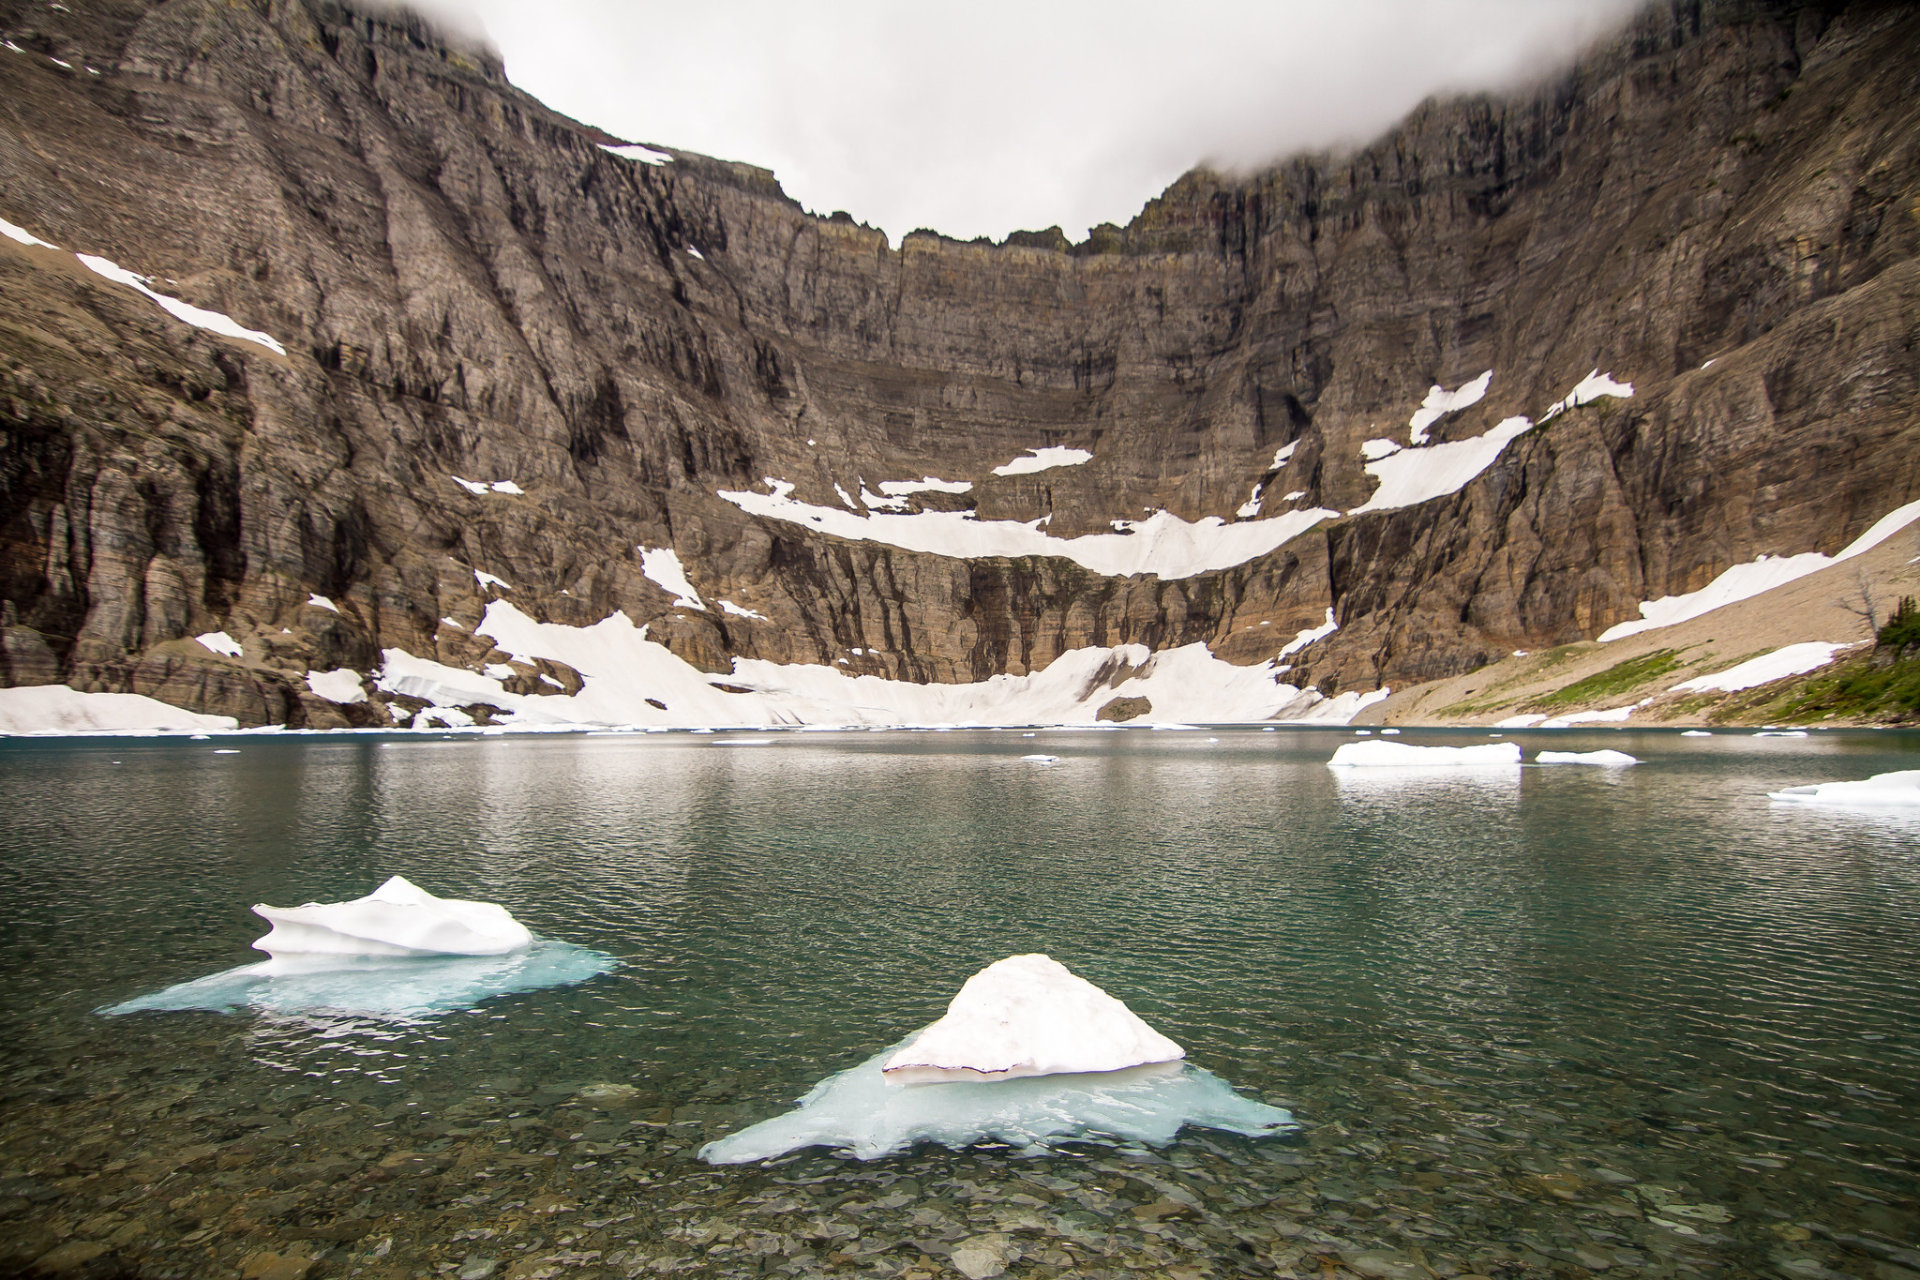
1902, 631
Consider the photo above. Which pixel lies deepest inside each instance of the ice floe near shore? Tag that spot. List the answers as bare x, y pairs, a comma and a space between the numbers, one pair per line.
1027, 1053
1611, 758
1030, 1016
1902, 788
397, 919
1405, 755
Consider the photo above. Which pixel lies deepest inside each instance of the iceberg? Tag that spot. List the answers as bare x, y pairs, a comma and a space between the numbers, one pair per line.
1615, 758
1405, 755
1902, 788
376, 986
397, 919
1030, 1016
868, 1114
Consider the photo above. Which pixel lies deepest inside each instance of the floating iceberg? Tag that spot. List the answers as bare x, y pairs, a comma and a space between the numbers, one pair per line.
1902, 788
1041, 759
397, 919
376, 986
869, 1115
1585, 757
1030, 1016
1405, 755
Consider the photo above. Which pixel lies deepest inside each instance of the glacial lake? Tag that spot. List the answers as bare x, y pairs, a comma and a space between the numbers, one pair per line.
1558, 1020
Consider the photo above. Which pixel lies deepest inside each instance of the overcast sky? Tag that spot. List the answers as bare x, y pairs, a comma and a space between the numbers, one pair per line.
999, 115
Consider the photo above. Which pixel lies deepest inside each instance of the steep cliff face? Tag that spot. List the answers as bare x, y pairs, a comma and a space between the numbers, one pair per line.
629, 352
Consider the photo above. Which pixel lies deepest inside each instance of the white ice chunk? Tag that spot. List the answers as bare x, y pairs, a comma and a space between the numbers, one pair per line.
1405, 755
339, 685
662, 567
1781, 733
322, 602
1041, 759
397, 919
1163, 544
1790, 660
1413, 476
1696, 733
221, 643
929, 484
868, 1114
1374, 450
212, 321
1301, 639
1585, 757
377, 986
1440, 402
1044, 460
729, 607
1586, 391
1030, 1015
1902, 788
59, 709
484, 580
645, 155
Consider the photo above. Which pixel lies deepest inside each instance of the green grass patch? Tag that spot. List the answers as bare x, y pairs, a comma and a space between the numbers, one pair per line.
1615, 680
1888, 693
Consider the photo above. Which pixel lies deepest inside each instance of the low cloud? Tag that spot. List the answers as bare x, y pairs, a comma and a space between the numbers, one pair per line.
1002, 116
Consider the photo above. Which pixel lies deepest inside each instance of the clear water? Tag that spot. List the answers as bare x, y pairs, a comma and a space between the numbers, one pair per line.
1565, 1021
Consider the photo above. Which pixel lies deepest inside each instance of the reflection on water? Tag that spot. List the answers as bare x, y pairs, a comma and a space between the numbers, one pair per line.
1543, 1018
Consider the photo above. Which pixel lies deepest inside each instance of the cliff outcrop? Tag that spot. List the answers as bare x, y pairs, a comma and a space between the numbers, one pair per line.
516, 355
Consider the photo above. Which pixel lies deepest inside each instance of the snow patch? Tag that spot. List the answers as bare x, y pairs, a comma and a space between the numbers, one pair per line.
1302, 639
200, 318
484, 580
1044, 460
221, 643
729, 607
322, 602
1440, 402
1790, 660
1413, 476
1586, 391
1283, 455
340, 685
1744, 581
928, 484
1374, 450
59, 709
1030, 1016
18, 234
662, 567
1163, 544
1612, 716
645, 155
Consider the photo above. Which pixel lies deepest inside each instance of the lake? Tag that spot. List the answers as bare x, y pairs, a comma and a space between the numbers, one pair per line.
1552, 1020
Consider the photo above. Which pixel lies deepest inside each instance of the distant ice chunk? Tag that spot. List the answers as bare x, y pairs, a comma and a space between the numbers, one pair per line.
1044, 460
1696, 733
644, 155
1585, 757
1030, 1015
1041, 759
1440, 402
867, 1114
397, 919
377, 986
1405, 755
1902, 788
1789, 660
662, 567
221, 643
1781, 733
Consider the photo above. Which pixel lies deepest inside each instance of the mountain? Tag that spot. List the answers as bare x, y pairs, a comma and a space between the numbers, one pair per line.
425, 383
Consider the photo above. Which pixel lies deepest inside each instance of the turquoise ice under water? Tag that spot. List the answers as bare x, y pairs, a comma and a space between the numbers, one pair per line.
1525, 1012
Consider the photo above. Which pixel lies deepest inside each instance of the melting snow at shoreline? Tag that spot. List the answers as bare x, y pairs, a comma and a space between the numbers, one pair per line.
1038, 1029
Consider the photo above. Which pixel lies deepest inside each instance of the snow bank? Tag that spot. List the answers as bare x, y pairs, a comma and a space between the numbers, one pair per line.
1791, 660
662, 567
1586, 391
1163, 544
322, 602
1044, 460
1520, 722
645, 155
1902, 788
863, 1112
1421, 474
340, 685
1440, 402
729, 607
485, 486
213, 321
1405, 755
1030, 1016
1744, 581
397, 919
221, 643
56, 708
378, 987
928, 484
1613, 715
1301, 639
1585, 757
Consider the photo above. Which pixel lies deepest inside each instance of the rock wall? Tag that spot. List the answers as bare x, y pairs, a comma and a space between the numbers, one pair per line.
1720, 206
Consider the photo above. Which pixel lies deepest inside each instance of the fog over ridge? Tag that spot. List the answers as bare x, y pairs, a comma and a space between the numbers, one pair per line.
998, 116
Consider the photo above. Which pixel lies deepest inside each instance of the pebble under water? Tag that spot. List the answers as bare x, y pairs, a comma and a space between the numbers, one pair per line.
1542, 1021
